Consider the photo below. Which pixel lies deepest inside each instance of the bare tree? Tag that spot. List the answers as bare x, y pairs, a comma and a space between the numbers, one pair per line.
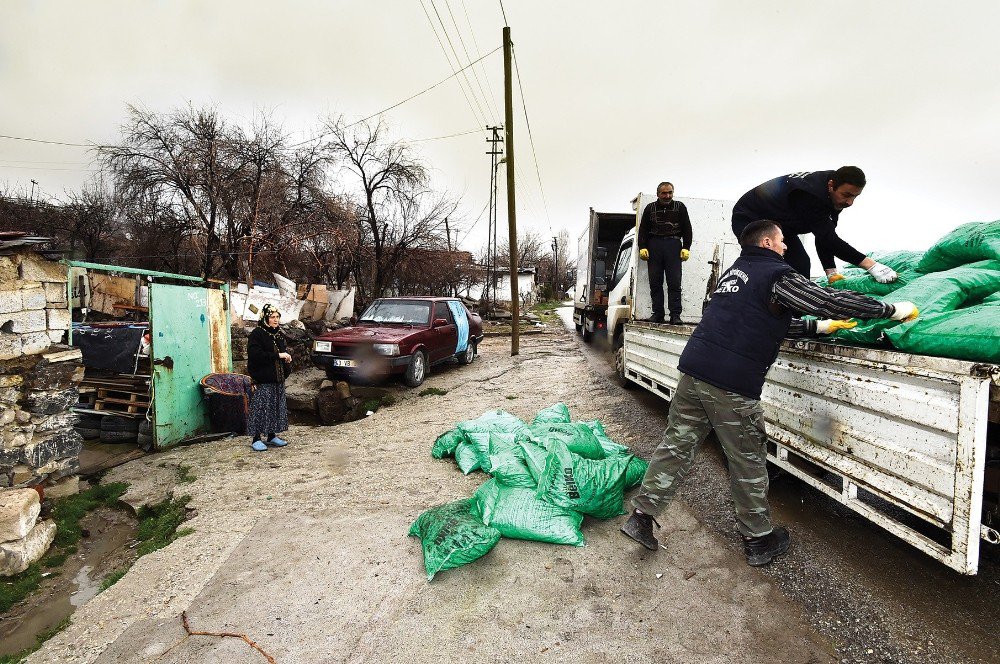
395, 209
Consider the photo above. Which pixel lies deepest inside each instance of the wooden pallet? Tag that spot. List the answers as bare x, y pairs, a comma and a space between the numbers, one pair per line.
121, 401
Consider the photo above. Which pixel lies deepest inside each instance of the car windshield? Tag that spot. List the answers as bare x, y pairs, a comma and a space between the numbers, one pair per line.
397, 311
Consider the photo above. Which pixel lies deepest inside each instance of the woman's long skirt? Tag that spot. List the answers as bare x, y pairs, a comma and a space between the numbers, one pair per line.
268, 411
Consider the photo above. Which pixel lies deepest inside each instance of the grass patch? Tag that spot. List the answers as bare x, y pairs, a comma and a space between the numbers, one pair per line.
184, 475
111, 579
432, 392
511, 397
158, 524
39, 640
371, 405
547, 311
66, 512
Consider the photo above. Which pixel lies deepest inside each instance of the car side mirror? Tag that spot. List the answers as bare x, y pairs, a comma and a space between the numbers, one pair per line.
440, 322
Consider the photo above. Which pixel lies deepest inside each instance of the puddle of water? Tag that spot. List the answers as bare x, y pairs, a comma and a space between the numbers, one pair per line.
73, 584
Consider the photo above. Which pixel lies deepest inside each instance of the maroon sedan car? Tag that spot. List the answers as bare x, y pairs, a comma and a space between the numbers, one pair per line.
400, 335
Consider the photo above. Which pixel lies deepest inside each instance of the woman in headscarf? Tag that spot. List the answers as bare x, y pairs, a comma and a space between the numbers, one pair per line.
267, 363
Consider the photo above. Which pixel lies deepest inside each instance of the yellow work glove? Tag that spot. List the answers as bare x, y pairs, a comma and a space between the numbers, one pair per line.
904, 311
831, 326
834, 278
685, 254
644, 254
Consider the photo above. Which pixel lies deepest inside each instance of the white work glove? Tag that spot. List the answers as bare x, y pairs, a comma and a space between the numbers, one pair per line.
883, 273
904, 311
830, 326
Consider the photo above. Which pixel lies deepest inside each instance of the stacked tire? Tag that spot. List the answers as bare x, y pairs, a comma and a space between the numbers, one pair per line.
88, 426
117, 429
144, 436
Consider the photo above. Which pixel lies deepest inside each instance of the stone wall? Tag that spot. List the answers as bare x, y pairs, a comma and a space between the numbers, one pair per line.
39, 377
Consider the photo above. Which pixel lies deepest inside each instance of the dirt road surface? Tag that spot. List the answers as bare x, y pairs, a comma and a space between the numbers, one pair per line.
304, 550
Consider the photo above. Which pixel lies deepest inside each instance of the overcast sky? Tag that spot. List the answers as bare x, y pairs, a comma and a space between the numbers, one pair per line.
714, 96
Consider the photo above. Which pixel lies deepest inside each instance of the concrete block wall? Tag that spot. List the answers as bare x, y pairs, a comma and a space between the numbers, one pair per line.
39, 379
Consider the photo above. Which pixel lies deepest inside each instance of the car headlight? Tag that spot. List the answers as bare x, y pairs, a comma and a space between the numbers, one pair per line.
386, 349
322, 346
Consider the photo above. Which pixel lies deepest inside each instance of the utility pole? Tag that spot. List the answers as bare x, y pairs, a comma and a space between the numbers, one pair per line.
511, 216
491, 232
447, 234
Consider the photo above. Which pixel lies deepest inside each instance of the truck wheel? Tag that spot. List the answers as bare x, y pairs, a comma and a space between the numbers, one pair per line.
416, 371
579, 328
587, 335
469, 354
619, 351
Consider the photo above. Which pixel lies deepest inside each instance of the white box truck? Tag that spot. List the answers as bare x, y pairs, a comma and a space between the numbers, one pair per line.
910, 442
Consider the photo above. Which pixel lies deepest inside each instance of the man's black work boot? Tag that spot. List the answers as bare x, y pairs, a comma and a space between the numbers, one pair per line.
675, 319
640, 528
762, 550
653, 319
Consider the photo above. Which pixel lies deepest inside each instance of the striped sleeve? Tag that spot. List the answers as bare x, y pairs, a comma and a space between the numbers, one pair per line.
801, 327
805, 297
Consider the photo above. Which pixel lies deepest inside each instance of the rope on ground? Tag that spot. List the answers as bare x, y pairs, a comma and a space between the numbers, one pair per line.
250, 642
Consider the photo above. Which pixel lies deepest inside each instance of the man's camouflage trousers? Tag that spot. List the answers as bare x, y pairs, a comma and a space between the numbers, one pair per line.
696, 409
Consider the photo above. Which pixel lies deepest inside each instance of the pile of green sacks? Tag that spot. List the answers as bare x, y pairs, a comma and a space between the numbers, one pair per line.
956, 287
546, 477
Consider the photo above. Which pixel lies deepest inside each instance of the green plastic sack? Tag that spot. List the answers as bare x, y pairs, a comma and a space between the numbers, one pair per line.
610, 447
492, 420
972, 333
518, 514
594, 488
452, 535
577, 436
556, 413
976, 241
858, 280
635, 472
534, 458
934, 293
446, 443
467, 457
509, 469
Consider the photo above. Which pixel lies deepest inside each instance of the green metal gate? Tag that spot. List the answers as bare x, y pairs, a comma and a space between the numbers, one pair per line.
190, 330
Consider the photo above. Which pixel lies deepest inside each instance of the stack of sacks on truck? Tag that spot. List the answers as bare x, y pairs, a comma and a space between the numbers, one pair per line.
956, 286
545, 478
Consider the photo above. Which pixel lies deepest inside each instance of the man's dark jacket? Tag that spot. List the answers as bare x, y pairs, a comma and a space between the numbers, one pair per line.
740, 333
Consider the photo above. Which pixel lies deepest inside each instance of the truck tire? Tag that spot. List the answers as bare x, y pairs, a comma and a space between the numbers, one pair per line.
618, 348
579, 328
118, 429
89, 427
468, 355
587, 335
416, 371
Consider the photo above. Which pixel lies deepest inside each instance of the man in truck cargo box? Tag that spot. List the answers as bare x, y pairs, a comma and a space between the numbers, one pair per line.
810, 202
664, 238
723, 367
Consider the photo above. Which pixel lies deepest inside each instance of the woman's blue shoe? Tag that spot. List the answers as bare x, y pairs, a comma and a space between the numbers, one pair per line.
258, 446
277, 442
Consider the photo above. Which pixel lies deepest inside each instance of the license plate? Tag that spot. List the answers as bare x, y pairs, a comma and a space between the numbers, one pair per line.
323, 346
345, 363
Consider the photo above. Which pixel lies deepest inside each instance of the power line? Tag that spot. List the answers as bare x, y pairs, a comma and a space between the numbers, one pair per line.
458, 60
479, 120
458, 31
504, 15
438, 138
531, 140
475, 44
39, 140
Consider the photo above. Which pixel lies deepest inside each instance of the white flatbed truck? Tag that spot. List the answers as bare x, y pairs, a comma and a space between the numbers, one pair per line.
910, 442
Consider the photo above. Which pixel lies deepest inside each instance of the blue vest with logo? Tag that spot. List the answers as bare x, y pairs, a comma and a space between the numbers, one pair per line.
741, 330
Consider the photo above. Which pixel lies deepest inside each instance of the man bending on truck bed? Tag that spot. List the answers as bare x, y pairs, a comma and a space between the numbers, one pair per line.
810, 202
722, 370
664, 239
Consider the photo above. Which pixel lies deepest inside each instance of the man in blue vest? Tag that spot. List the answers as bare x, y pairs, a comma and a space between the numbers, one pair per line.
811, 202
723, 367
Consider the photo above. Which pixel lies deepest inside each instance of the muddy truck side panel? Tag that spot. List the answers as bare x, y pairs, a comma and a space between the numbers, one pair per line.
901, 439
